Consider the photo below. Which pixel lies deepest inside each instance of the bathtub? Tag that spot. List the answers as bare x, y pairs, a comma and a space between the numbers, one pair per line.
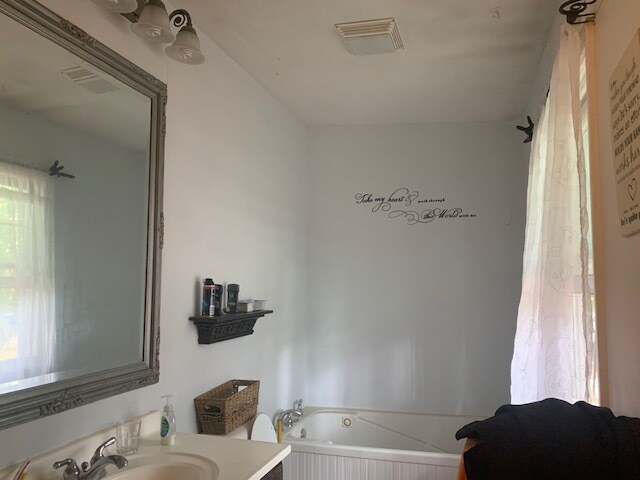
348, 444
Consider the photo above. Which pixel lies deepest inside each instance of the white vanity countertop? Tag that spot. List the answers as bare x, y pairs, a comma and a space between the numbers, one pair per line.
235, 459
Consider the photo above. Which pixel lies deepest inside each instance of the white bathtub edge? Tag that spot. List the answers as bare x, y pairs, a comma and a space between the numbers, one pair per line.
404, 456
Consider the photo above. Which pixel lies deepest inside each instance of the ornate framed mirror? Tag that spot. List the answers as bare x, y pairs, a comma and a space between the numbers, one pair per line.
81, 224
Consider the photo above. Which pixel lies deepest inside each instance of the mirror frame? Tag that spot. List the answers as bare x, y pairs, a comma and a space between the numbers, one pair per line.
36, 402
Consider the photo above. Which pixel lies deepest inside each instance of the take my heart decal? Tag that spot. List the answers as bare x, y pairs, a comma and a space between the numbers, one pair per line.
408, 205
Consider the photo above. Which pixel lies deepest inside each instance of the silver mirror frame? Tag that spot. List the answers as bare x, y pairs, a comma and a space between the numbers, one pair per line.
36, 402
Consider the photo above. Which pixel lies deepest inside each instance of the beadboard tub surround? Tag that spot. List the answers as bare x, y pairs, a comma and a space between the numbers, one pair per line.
358, 444
234, 459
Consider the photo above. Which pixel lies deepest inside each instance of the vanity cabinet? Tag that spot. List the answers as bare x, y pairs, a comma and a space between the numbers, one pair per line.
275, 474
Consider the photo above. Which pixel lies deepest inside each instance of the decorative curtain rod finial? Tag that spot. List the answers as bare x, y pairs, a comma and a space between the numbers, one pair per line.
55, 170
528, 130
573, 10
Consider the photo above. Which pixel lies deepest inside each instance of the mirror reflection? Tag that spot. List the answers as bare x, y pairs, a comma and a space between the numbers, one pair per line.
74, 185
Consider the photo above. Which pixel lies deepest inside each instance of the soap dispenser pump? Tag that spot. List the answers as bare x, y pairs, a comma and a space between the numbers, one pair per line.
168, 424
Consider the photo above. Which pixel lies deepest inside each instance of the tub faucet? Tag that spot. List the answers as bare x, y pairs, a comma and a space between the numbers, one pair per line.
95, 469
292, 415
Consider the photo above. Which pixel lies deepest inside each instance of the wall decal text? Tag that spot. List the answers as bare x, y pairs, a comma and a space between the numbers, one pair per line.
408, 205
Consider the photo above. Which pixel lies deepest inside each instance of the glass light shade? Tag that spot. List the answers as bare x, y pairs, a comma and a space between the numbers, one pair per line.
153, 24
186, 48
117, 6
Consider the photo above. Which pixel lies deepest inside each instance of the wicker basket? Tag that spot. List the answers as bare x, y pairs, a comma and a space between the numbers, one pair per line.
225, 408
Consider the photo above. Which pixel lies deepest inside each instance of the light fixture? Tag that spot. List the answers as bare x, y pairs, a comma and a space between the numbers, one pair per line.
117, 6
153, 24
186, 48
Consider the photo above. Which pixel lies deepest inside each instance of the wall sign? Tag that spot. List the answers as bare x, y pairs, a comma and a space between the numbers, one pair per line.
624, 94
408, 205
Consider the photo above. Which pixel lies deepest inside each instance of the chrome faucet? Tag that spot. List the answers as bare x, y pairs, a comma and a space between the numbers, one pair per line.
292, 415
95, 469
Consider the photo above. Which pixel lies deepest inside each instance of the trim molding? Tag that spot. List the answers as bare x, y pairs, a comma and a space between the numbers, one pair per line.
596, 215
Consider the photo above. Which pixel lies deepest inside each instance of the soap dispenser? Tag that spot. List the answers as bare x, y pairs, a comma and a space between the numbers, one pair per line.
168, 424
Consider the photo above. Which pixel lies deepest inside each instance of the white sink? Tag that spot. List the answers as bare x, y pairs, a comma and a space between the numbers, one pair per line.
168, 466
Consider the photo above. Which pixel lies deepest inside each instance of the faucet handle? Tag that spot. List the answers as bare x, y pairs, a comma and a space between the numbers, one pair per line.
72, 470
69, 461
99, 453
287, 418
297, 404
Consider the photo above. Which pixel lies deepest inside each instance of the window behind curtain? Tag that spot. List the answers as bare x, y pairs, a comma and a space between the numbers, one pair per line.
27, 293
554, 348
594, 374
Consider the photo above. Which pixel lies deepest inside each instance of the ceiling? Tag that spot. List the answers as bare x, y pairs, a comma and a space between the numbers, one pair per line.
31, 81
460, 62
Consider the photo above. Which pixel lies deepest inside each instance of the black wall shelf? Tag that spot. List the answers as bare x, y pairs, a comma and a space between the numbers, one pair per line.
226, 327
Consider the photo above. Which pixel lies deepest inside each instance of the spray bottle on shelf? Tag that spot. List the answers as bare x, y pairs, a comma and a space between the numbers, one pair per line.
168, 424
207, 297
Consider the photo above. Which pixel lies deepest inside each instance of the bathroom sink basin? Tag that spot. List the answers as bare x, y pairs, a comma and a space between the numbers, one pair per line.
169, 466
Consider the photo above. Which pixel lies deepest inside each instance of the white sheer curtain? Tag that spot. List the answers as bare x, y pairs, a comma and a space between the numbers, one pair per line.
27, 292
554, 350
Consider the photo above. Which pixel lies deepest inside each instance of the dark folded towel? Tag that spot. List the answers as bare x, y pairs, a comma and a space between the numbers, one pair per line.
553, 439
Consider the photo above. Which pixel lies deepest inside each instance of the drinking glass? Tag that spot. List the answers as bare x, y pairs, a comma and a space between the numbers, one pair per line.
127, 437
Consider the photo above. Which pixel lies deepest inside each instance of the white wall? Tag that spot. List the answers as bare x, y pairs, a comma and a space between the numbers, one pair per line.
415, 317
235, 206
617, 22
540, 88
100, 253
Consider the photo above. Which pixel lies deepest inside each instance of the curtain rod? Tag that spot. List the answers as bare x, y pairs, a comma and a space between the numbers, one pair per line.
4, 159
54, 170
574, 11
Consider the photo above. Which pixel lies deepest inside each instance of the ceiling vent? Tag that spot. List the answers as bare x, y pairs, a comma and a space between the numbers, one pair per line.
371, 37
89, 80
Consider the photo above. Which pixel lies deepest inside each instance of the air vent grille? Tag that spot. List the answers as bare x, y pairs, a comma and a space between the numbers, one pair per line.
89, 80
370, 37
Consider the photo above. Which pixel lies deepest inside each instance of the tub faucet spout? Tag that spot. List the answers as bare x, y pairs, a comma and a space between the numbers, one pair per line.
292, 415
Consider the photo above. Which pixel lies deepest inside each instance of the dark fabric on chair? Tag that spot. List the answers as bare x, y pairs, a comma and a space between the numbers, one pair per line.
553, 439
